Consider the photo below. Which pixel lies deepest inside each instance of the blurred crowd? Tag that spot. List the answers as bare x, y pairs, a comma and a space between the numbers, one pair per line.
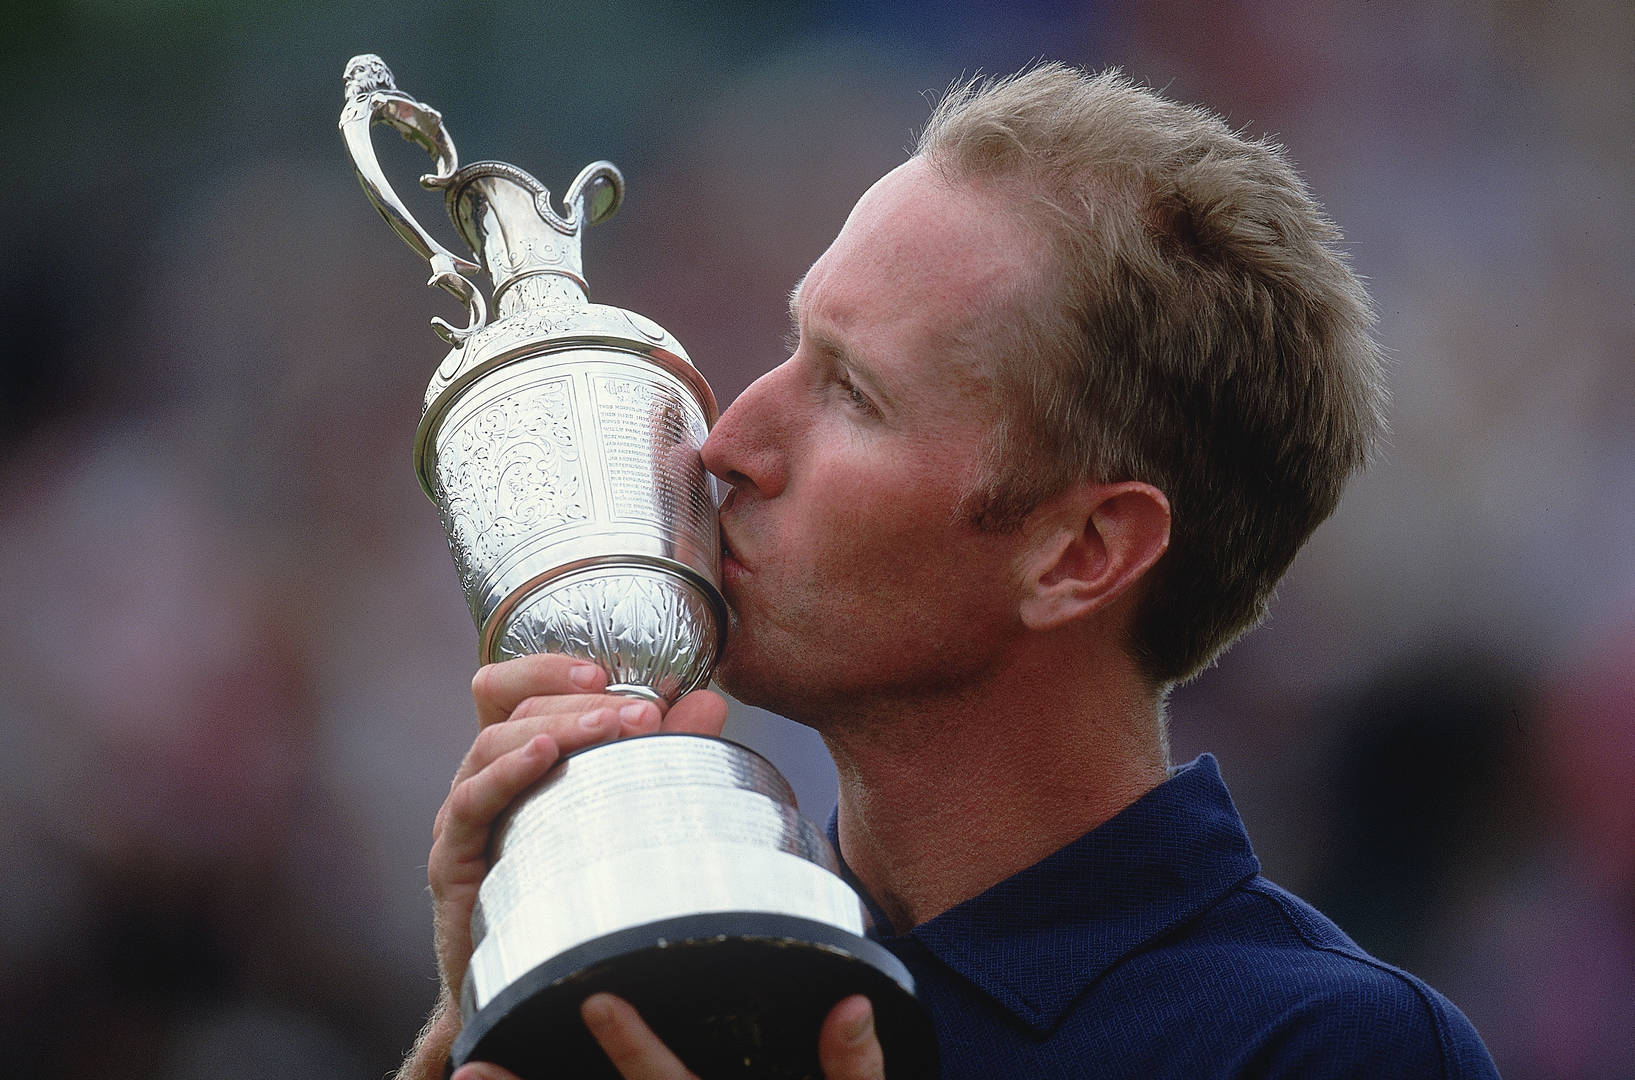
234, 657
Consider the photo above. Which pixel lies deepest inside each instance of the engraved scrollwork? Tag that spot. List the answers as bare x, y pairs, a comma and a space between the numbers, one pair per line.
511, 470
553, 298
529, 253
556, 310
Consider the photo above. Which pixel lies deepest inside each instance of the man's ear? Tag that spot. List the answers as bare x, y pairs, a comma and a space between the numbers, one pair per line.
1090, 545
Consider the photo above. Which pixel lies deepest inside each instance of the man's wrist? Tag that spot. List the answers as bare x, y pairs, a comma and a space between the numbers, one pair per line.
429, 1058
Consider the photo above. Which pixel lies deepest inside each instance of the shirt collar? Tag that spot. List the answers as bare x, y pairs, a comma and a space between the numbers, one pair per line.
1035, 941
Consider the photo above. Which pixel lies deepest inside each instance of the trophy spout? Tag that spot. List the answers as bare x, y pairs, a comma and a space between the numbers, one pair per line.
531, 252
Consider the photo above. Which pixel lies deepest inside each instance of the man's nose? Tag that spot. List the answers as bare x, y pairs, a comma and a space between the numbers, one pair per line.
744, 449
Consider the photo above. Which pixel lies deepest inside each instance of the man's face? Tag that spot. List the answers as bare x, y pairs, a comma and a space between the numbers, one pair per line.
850, 567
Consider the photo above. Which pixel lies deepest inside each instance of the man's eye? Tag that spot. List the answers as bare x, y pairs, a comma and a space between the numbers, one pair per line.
854, 395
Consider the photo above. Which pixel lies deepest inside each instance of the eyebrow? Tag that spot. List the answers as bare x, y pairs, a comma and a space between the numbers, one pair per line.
827, 345
824, 344
855, 367
794, 300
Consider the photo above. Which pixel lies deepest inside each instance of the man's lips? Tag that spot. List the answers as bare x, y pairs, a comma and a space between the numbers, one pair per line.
729, 557
721, 514
732, 563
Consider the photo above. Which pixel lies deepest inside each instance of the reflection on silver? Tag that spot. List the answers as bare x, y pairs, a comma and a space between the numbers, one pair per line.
630, 833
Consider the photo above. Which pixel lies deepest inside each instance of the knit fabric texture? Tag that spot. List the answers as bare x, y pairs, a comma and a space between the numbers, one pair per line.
1151, 948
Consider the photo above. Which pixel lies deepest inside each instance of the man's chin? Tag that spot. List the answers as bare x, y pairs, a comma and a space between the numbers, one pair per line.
729, 676
769, 679
747, 681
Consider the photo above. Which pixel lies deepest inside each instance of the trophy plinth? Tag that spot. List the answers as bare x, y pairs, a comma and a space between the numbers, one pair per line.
560, 442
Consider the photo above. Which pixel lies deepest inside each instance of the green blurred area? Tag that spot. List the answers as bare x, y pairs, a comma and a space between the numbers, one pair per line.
217, 573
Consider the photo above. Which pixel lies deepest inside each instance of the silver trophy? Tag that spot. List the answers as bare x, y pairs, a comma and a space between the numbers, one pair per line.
560, 442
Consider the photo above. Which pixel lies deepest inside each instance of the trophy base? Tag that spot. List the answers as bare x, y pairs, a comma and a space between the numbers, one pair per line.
732, 994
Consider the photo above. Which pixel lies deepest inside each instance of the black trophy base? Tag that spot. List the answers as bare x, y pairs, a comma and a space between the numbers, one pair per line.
734, 995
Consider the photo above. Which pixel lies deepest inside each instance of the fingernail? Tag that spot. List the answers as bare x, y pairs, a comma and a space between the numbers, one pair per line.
596, 1010
585, 676
592, 720
632, 712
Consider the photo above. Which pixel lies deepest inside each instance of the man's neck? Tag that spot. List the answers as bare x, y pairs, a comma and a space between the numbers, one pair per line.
941, 800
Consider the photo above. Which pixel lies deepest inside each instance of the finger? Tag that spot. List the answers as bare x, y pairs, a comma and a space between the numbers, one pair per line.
630, 716
848, 1047
702, 712
572, 721
577, 721
628, 1042
482, 1070
645, 719
460, 835
499, 688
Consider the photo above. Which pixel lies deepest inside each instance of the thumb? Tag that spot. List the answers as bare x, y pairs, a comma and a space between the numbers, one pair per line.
702, 712
482, 1070
848, 1047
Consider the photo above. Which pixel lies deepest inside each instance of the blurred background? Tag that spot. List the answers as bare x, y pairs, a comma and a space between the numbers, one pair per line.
234, 660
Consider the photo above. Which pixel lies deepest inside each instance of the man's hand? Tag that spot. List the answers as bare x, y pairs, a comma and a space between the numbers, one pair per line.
847, 1045
530, 712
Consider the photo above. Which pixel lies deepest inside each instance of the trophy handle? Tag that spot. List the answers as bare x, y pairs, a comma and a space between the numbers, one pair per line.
372, 96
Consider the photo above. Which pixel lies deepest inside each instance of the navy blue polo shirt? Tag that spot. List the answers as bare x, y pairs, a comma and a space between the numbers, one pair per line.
1151, 947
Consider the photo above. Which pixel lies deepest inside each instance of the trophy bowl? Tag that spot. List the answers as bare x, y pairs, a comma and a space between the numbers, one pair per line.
560, 443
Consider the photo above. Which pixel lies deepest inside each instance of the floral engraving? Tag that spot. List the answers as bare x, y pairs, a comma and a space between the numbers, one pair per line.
541, 303
509, 471
531, 310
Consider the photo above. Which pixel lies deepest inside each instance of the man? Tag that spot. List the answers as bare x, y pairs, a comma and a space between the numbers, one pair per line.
1072, 386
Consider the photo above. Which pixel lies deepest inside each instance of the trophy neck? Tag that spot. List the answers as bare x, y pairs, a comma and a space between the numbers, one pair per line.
531, 252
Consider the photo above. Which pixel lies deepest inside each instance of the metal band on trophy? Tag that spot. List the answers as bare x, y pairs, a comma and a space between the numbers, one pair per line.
559, 441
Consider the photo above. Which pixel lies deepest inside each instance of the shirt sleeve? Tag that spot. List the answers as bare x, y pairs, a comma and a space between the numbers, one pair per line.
1385, 1026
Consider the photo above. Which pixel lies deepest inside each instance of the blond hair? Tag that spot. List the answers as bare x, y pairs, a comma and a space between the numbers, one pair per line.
1193, 325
